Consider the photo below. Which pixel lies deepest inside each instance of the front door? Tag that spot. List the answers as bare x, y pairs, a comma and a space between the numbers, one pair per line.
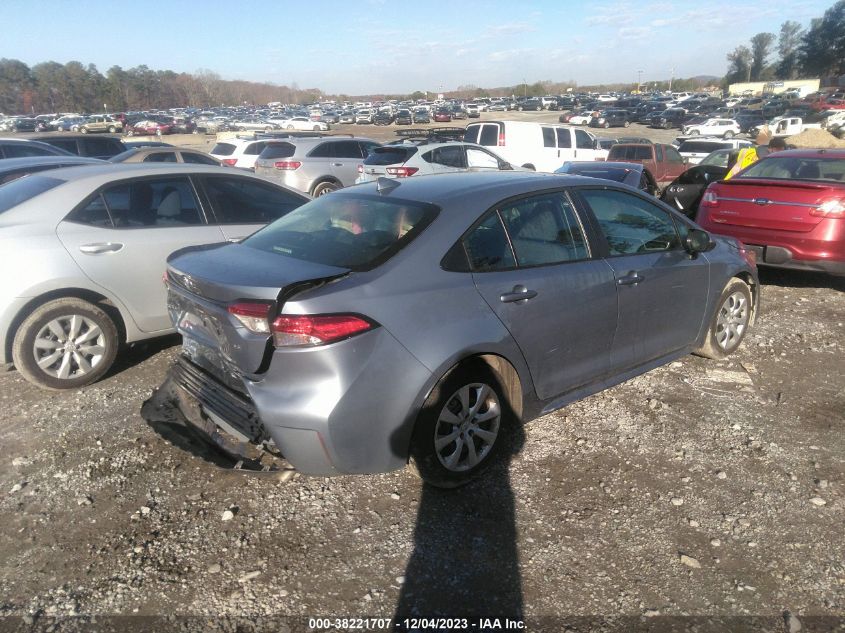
533, 266
662, 289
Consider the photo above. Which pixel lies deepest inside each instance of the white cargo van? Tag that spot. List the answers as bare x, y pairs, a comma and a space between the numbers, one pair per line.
535, 145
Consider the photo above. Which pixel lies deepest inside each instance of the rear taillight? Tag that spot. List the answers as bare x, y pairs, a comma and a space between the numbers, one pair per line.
748, 255
402, 172
318, 329
253, 316
709, 199
501, 142
831, 209
230, 162
287, 164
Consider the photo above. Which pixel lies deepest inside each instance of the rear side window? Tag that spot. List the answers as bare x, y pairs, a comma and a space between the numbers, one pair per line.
161, 157
165, 202
544, 230
487, 246
390, 155
549, 137
347, 230
471, 134
449, 156
102, 147
275, 150
347, 149
198, 159
245, 201
95, 213
489, 136
24, 150
324, 150
564, 139
254, 149
22, 189
223, 149
66, 144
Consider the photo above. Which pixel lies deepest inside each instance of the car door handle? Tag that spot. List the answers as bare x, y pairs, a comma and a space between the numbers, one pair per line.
337, 164
100, 248
519, 293
631, 279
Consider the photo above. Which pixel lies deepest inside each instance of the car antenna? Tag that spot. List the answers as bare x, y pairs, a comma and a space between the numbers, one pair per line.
386, 185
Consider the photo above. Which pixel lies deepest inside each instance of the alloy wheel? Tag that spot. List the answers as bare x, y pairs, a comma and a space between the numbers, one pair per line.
732, 321
69, 346
467, 427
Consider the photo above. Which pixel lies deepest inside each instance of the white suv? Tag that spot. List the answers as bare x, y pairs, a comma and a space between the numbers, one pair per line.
726, 128
238, 152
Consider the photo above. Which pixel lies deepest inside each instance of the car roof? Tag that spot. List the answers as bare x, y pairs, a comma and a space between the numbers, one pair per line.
442, 188
11, 164
112, 171
808, 153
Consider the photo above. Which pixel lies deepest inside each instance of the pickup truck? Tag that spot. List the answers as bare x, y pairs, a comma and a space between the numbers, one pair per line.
781, 127
662, 161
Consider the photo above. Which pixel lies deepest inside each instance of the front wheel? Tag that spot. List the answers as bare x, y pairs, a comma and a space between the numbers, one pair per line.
730, 323
692, 133
112, 129
84, 130
606, 125
461, 429
729, 134
65, 344
626, 124
290, 127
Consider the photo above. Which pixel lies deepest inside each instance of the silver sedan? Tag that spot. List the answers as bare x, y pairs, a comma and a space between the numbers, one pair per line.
84, 250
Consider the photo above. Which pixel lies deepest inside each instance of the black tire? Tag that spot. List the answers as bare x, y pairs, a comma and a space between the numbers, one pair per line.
424, 459
130, 132
24, 344
606, 125
725, 307
627, 123
728, 134
323, 188
112, 129
693, 133
83, 130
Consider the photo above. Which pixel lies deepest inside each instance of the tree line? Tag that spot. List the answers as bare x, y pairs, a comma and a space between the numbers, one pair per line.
74, 87
817, 51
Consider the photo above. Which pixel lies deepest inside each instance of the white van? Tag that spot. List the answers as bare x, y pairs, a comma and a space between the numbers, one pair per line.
534, 145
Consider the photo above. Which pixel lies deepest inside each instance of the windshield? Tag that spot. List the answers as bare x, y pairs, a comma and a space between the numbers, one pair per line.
23, 189
347, 230
796, 168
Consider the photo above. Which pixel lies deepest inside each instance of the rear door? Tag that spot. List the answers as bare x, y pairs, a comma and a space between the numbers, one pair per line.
346, 156
122, 236
241, 205
662, 291
530, 259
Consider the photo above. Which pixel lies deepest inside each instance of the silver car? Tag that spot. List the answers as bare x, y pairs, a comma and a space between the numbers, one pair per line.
84, 250
316, 166
416, 319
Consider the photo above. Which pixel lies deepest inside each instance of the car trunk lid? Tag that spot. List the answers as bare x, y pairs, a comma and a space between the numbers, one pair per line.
769, 204
205, 282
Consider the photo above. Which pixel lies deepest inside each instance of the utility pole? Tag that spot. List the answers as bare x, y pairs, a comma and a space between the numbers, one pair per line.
671, 79
639, 81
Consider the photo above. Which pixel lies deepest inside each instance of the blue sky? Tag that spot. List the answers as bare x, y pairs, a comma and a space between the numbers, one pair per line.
373, 46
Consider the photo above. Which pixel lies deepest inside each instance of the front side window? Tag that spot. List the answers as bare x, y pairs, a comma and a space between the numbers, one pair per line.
630, 224
246, 201
544, 230
161, 157
583, 140
489, 135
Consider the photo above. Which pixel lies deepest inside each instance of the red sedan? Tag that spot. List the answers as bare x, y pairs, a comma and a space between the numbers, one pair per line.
788, 207
442, 116
149, 128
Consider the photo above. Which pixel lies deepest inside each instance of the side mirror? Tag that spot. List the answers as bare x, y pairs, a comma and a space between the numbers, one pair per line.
698, 241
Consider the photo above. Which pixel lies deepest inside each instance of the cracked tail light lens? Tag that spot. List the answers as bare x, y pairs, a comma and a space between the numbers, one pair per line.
253, 316
319, 329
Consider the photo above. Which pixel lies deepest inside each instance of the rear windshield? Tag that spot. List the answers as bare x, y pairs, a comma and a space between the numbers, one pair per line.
630, 152
223, 149
347, 230
278, 150
617, 174
794, 168
389, 155
22, 189
702, 147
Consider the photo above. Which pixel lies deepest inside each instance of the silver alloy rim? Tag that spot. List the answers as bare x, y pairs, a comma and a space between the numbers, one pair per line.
69, 347
732, 320
467, 427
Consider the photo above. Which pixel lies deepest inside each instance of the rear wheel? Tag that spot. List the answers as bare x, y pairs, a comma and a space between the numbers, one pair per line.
316, 128
112, 129
626, 124
692, 133
730, 323
461, 429
290, 127
325, 187
84, 130
65, 344
729, 134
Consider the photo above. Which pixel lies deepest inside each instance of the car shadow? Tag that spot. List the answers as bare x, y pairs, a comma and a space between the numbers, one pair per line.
789, 278
130, 356
465, 562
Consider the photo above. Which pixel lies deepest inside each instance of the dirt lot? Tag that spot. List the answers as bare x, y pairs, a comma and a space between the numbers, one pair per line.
708, 494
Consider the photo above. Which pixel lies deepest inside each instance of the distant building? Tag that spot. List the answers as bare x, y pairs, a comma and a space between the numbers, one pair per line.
757, 88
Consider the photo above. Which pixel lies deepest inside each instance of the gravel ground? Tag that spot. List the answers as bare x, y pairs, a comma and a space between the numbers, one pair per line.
702, 493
